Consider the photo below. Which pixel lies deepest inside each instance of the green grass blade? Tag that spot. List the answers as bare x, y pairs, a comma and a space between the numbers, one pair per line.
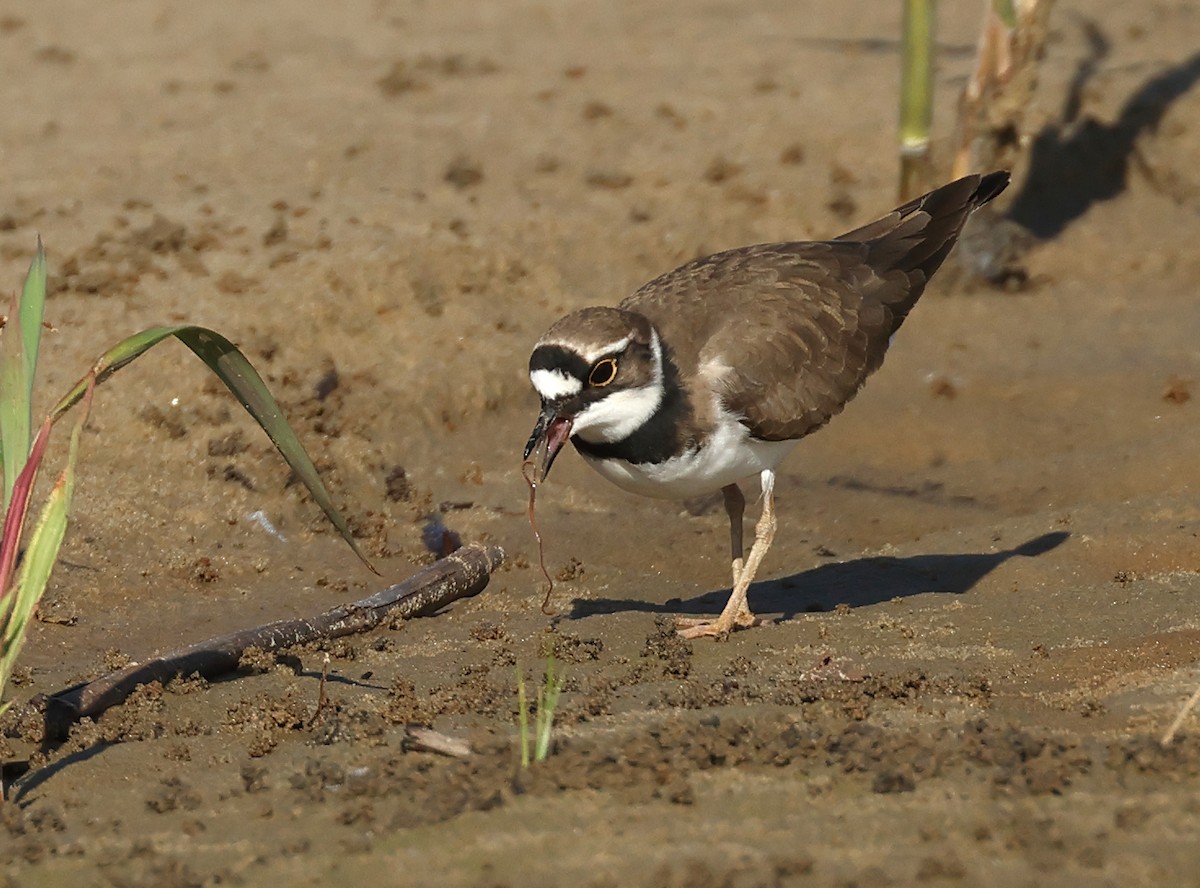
40, 556
18, 364
523, 718
547, 704
32, 313
14, 402
232, 367
18, 508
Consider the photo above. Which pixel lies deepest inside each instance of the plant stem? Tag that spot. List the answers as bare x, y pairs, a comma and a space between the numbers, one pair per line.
547, 703
992, 130
916, 95
523, 718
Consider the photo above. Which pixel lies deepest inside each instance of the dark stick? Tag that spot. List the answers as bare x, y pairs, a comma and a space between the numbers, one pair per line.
459, 575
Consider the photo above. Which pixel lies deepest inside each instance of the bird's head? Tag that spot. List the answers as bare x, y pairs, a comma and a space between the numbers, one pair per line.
599, 373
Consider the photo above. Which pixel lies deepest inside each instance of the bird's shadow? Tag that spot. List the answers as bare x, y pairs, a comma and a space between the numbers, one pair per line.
856, 583
1078, 161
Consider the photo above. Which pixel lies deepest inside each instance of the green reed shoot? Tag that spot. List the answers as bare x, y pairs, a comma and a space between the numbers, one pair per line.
543, 716
916, 95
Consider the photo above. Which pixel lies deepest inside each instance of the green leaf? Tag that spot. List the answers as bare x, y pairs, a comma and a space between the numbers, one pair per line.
14, 404
33, 311
228, 363
523, 717
547, 704
18, 364
18, 508
41, 554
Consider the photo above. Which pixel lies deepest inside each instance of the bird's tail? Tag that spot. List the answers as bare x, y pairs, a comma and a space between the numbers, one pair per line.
914, 239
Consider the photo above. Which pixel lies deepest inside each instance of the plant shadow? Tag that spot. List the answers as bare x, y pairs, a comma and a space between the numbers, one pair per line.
1078, 161
860, 582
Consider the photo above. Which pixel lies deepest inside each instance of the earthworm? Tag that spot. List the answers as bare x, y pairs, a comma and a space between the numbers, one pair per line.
529, 463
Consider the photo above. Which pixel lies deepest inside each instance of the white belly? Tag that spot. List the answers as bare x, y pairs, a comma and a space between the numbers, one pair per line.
727, 457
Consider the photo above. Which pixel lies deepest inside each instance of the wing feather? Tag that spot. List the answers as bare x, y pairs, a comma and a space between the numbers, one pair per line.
788, 333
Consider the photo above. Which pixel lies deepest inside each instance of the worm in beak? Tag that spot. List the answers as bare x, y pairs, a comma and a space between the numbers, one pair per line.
549, 435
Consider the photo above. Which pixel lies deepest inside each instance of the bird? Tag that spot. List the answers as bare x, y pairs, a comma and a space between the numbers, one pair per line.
709, 375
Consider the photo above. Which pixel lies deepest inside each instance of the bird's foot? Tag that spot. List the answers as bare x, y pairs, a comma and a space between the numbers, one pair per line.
720, 628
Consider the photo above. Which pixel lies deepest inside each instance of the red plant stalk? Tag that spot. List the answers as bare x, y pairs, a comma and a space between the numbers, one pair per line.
18, 507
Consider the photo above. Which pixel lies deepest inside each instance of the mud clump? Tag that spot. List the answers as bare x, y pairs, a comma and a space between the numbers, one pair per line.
173, 794
404, 706
118, 260
571, 648
656, 764
665, 646
463, 173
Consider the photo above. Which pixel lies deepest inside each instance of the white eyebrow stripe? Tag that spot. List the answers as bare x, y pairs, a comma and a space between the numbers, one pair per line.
553, 384
613, 347
591, 355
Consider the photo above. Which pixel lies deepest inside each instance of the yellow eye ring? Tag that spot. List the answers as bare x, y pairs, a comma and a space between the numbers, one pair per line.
603, 373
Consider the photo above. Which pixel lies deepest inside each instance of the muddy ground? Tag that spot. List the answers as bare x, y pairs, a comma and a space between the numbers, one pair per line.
982, 599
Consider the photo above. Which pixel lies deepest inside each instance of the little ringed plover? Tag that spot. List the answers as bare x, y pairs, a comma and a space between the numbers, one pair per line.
711, 373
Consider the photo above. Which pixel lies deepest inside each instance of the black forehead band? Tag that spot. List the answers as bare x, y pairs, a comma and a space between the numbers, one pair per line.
555, 357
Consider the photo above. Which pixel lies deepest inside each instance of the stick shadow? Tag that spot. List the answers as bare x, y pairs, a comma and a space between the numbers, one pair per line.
1079, 161
860, 582
29, 781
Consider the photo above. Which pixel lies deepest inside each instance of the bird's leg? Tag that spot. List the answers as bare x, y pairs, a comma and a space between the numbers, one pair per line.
735, 508
736, 614
764, 535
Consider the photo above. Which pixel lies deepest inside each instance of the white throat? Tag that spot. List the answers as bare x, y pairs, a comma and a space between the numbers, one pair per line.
621, 413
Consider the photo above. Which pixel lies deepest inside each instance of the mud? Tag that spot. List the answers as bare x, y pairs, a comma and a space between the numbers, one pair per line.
980, 609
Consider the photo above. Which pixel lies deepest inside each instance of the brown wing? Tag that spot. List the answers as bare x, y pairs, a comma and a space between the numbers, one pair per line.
789, 332
790, 337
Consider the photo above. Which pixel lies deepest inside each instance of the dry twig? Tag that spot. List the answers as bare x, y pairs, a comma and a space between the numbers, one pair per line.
991, 114
1179, 719
419, 738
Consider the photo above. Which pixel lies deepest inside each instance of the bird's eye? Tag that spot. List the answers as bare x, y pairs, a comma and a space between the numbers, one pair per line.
603, 373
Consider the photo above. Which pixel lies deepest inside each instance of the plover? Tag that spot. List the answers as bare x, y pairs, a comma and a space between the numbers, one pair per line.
711, 373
